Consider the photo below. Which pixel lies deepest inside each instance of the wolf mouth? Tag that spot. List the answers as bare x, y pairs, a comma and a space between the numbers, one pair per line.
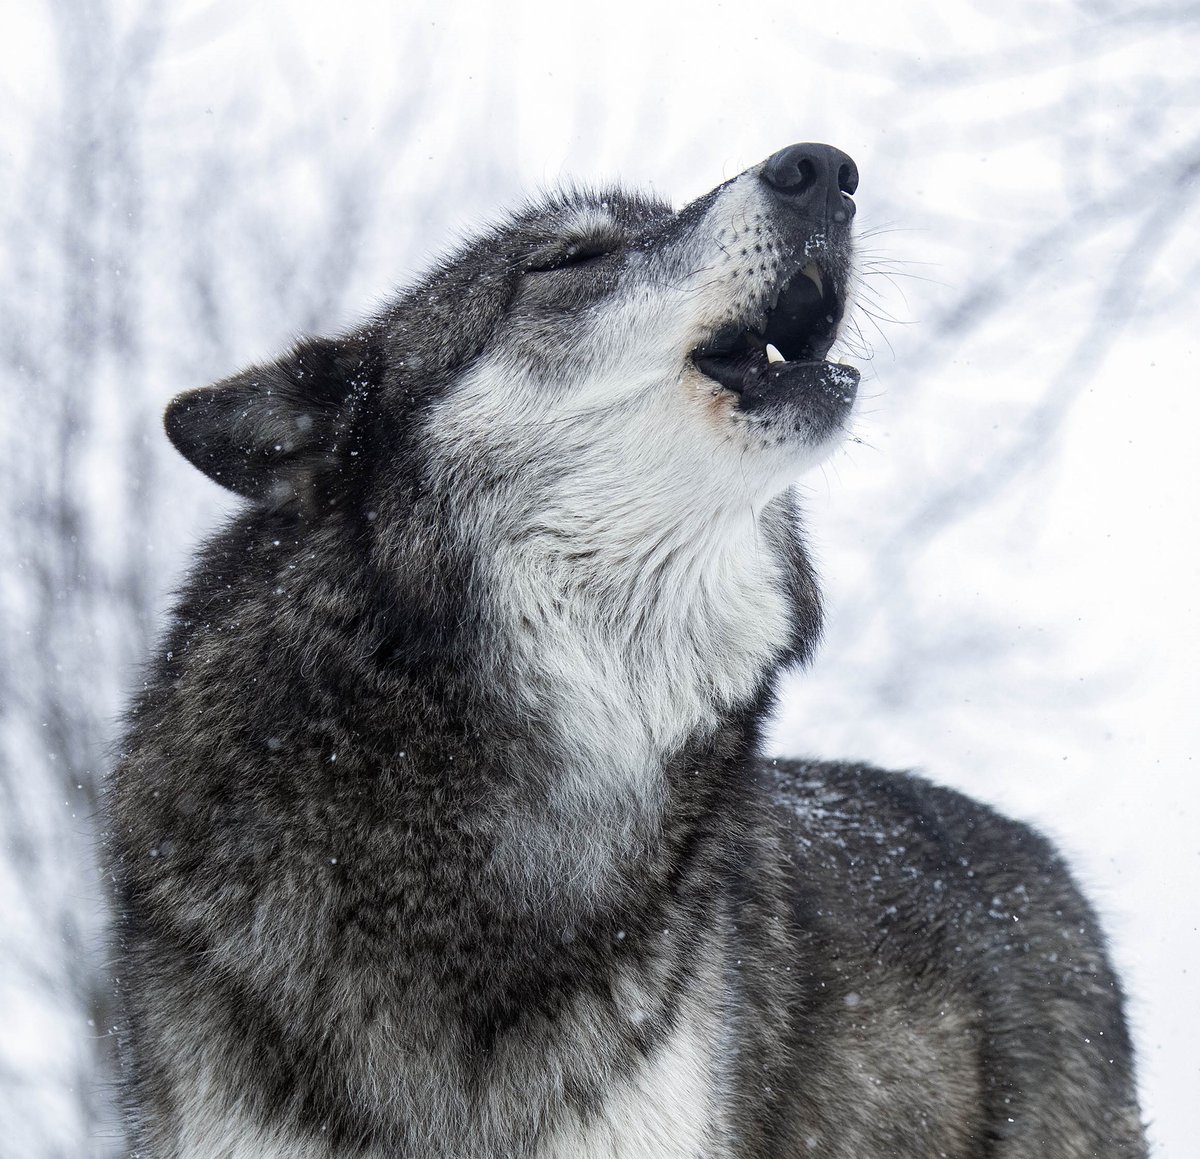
798, 327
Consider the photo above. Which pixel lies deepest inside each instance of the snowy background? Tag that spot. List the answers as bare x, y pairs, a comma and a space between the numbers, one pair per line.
1009, 547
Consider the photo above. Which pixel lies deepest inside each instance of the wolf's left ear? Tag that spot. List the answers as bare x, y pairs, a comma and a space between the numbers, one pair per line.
271, 432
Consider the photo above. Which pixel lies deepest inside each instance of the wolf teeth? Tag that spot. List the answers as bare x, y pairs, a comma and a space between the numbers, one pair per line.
813, 274
773, 354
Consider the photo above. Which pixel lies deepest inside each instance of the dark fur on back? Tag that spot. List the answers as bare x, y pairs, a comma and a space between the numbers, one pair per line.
395, 880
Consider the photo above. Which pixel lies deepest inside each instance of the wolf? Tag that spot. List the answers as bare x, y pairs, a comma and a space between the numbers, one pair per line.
442, 827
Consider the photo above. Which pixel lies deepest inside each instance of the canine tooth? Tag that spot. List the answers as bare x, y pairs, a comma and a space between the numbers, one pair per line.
773, 355
813, 274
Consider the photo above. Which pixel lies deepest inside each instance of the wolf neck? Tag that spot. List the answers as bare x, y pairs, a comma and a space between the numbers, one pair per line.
620, 642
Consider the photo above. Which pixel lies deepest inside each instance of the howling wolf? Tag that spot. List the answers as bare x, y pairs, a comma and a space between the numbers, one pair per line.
441, 829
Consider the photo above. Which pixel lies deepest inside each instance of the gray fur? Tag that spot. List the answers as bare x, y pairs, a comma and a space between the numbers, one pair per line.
441, 828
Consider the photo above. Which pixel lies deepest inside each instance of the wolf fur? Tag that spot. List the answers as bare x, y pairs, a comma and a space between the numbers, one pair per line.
441, 827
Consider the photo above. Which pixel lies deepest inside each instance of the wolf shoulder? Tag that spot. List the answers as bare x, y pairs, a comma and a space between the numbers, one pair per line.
927, 879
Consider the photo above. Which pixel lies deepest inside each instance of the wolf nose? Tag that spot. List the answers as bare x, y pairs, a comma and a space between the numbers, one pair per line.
817, 179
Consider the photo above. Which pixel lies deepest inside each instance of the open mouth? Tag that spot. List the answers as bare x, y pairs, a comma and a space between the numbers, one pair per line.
798, 327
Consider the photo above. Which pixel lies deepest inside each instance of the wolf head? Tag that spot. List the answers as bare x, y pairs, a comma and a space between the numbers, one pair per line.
593, 340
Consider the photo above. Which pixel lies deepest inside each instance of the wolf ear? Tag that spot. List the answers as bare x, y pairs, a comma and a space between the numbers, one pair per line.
272, 432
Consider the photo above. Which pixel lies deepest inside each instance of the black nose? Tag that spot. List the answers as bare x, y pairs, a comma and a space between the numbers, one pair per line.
817, 179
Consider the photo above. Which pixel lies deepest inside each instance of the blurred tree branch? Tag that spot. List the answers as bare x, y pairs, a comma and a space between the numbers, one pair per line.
1130, 194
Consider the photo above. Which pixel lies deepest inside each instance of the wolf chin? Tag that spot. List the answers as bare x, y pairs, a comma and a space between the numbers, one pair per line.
441, 828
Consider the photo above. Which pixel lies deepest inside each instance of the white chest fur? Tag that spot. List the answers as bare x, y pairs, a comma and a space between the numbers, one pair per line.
671, 1109
632, 662
621, 666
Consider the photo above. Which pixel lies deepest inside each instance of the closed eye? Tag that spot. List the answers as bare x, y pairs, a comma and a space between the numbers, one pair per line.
572, 256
